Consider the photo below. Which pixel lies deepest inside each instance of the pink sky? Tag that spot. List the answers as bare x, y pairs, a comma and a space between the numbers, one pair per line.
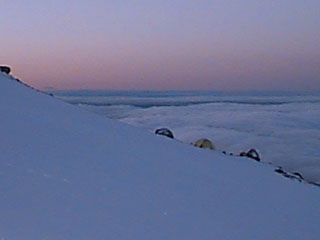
181, 45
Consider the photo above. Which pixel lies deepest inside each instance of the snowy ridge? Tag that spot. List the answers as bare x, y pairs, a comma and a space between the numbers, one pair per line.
69, 174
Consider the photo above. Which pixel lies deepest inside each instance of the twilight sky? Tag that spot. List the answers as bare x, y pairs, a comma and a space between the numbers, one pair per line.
163, 44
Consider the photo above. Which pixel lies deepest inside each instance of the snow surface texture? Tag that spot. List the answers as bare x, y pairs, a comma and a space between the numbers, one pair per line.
284, 129
69, 174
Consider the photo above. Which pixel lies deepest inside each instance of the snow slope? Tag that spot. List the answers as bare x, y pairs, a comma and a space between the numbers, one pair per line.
69, 174
283, 127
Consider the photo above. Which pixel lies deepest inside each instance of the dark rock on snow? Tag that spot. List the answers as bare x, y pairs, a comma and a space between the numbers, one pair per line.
5, 69
165, 132
252, 153
294, 176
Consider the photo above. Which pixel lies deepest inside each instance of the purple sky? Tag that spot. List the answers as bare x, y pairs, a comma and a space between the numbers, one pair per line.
161, 45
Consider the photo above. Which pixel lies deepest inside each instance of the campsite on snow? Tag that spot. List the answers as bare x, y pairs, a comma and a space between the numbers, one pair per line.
70, 174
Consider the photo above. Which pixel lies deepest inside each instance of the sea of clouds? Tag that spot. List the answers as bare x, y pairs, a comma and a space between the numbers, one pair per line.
284, 129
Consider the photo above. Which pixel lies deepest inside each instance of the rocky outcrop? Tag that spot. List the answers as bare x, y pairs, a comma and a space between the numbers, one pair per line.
165, 132
252, 153
5, 69
294, 176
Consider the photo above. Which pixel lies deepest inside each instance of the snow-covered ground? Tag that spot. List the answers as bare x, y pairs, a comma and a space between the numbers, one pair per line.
283, 127
69, 174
